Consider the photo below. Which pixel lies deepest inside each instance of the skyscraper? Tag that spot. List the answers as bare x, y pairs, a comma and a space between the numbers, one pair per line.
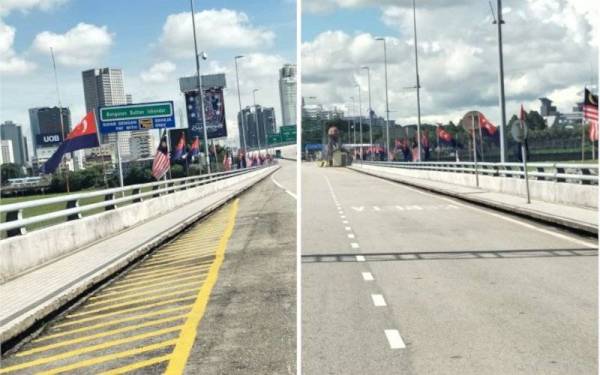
104, 87
266, 123
287, 93
12, 132
46, 128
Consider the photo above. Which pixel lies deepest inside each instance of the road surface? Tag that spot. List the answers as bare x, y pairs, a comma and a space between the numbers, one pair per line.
399, 281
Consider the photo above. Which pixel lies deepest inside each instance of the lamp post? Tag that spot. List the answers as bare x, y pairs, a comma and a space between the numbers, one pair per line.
256, 119
353, 123
360, 121
418, 82
370, 110
200, 94
387, 104
499, 22
237, 78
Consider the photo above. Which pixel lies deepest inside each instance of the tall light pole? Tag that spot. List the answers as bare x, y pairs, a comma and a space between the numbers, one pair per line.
370, 110
418, 82
256, 119
499, 23
237, 78
353, 122
200, 94
387, 104
360, 121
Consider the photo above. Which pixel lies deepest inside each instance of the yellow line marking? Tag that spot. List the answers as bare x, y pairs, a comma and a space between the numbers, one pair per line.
87, 349
168, 263
187, 336
132, 302
99, 335
175, 281
176, 258
147, 293
137, 365
120, 312
160, 272
111, 323
110, 357
168, 254
124, 284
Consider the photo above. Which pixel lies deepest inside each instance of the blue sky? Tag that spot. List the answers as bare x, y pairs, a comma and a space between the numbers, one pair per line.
130, 35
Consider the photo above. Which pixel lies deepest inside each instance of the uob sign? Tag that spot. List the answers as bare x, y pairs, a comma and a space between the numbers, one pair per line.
48, 139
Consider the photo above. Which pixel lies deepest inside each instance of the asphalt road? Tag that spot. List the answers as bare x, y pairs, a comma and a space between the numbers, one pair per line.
218, 299
399, 281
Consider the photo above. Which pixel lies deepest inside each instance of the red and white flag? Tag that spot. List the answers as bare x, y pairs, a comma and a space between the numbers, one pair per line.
161, 163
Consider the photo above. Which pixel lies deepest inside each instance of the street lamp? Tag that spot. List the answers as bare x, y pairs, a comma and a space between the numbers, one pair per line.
360, 120
387, 104
256, 119
204, 57
370, 110
237, 78
353, 123
499, 22
418, 82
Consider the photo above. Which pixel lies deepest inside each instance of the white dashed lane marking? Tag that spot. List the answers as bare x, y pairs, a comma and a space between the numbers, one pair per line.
378, 300
367, 276
360, 258
351, 236
394, 339
354, 245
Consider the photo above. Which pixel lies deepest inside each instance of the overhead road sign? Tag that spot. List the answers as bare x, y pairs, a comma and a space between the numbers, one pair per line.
141, 116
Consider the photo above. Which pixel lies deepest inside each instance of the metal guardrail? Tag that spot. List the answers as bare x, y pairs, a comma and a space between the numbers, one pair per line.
586, 174
15, 224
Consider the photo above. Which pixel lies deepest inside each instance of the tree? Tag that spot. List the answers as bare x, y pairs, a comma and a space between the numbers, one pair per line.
138, 175
535, 121
10, 170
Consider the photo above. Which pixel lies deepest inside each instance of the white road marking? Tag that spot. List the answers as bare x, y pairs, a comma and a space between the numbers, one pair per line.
414, 207
378, 300
515, 221
342, 216
347, 228
354, 245
367, 276
281, 186
359, 209
345, 221
400, 208
376, 208
350, 235
394, 339
360, 258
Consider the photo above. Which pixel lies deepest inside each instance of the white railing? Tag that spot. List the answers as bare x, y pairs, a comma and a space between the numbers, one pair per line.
15, 224
558, 172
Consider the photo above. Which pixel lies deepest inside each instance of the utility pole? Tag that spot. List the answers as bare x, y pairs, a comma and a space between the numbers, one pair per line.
360, 122
387, 104
62, 125
418, 82
237, 78
499, 23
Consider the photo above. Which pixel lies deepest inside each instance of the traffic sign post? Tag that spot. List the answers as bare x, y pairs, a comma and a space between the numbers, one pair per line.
142, 116
519, 133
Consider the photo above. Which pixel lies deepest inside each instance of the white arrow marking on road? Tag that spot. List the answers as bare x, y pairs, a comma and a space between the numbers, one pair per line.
359, 209
367, 276
394, 339
378, 300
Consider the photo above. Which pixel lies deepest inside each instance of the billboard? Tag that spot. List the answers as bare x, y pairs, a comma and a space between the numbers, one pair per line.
214, 112
207, 81
47, 140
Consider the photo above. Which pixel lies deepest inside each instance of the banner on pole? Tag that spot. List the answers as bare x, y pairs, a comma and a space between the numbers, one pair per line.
214, 112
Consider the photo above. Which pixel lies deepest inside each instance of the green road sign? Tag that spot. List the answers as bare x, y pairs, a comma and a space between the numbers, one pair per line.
288, 133
136, 111
274, 138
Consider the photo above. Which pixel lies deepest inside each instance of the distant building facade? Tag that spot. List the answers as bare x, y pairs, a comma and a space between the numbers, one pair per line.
46, 129
287, 93
267, 125
10, 131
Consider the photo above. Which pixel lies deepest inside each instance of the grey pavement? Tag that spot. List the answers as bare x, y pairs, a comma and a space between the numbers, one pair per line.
570, 216
250, 323
468, 290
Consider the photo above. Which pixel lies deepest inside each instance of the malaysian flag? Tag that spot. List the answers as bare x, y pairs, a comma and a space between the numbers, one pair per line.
161, 163
590, 113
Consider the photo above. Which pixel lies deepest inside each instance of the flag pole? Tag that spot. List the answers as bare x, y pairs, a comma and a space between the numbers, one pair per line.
481, 140
60, 115
169, 151
475, 149
100, 148
524, 157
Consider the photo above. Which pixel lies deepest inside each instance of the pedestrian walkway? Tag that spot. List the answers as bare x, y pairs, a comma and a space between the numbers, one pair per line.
579, 218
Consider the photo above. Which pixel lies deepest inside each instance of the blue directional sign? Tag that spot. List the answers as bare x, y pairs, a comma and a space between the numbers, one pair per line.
142, 116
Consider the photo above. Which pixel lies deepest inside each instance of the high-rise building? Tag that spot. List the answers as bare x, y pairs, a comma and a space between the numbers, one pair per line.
265, 116
46, 128
287, 93
104, 87
7, 154
12, 132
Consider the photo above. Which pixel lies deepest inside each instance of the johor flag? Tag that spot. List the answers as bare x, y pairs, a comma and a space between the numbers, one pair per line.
485, 124
195, 149
179, 148
83, 136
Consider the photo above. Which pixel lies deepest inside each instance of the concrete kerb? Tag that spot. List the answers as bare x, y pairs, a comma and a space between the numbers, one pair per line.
508, 208
72, 294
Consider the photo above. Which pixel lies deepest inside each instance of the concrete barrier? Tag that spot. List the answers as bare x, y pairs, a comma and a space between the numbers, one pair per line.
289, 152
34, 249
545, 191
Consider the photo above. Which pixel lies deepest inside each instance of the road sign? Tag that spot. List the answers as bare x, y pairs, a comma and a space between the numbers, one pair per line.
142, 116
288, 133
274, 138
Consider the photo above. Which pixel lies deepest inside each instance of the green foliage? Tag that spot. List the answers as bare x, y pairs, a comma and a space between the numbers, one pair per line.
138, 175
177, 171
10, 170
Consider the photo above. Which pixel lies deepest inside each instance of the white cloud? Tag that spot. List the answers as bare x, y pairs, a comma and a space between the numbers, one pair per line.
159, 72
548, 50
6, 6
81, 46
222, 28
10, 63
